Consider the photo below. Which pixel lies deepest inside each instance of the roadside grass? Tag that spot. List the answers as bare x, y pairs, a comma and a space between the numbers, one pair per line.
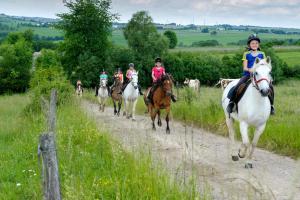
91, 164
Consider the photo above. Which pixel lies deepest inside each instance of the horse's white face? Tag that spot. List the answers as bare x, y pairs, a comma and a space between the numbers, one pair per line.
186, 81
134, 80
262, 75
103, 82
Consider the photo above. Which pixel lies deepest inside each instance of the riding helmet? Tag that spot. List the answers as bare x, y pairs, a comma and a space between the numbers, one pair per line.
158, 59
131, 65
253, 37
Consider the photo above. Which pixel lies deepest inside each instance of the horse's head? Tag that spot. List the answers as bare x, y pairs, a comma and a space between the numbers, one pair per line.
103, 82
135, 79
186, 81
167, 84
261, 77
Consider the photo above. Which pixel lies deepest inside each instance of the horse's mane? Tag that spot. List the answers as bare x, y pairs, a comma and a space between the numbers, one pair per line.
164, 78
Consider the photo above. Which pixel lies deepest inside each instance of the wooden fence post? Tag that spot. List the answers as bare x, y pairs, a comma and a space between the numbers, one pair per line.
47, 149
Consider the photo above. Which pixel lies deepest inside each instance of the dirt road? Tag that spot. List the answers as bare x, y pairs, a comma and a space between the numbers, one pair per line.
207, 155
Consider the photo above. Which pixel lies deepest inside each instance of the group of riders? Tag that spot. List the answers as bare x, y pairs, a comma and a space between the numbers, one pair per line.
158, 71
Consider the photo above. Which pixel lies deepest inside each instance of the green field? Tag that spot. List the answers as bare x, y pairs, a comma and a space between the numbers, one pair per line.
91, 164
187, 37
291, 58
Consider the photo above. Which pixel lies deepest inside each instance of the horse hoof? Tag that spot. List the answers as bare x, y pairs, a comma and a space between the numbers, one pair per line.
240, 155
168, 131
153, 128
235, 158
133, 119
248, 166
124, 113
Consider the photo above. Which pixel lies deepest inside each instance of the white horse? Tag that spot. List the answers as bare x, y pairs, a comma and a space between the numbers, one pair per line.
79, 90
253, 110
130, 96
102, 94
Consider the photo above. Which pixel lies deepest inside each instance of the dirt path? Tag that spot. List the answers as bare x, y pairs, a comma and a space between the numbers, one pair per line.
207, 155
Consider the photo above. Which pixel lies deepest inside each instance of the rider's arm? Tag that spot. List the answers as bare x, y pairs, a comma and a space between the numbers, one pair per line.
245, 63
245, 66
153, 77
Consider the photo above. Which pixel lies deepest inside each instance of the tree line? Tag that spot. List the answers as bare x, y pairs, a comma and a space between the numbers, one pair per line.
86, 51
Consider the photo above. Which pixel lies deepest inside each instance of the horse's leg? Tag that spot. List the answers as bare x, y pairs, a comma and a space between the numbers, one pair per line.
133, 109
167, 119
245, 140
115, 109
244, 150
229, 122
125, 108
153, 115
258, 131
103, 104
159, 119
120, 105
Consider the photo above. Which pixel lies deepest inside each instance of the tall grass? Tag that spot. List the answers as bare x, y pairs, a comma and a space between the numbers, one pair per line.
91, 165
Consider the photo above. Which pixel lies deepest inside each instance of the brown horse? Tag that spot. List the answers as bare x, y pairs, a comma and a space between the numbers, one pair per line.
161, 100
117, 96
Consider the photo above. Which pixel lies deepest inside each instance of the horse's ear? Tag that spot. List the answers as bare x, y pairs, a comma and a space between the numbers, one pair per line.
268, 60
257, 60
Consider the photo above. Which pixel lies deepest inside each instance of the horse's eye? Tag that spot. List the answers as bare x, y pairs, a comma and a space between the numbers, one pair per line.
255, 73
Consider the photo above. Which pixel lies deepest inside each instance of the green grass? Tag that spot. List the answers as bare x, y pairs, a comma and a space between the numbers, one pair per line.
291, 58
92, 166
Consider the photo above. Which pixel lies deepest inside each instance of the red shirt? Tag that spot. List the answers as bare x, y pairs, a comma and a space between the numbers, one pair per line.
158, 72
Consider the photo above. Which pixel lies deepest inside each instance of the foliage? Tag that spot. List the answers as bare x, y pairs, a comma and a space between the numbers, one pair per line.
205, 43
171, 35
87, 27
143, 38
15, 62
205, 30
48, 75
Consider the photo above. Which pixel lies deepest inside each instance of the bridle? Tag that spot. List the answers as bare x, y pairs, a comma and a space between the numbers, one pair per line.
255, 82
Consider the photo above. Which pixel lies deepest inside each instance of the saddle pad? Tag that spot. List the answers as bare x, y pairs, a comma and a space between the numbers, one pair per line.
239, 91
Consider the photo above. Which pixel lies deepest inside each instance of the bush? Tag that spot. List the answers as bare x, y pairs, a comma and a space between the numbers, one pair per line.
49, 75
15, 63
172, 37
205, 43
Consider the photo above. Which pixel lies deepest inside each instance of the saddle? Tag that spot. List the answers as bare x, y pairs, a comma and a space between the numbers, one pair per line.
236, 94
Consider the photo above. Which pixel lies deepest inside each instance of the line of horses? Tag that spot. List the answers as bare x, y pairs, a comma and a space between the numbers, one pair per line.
253, 109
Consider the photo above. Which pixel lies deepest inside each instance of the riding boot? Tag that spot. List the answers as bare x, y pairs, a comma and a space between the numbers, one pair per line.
140, 90
271, 98
173, 97
96, 92
232, 96
150, 95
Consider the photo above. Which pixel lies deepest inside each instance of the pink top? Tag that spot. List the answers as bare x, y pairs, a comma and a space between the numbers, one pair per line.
158, 72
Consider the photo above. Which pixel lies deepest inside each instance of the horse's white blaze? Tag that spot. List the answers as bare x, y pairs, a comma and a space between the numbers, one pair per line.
130, 95
102, 93
253, 109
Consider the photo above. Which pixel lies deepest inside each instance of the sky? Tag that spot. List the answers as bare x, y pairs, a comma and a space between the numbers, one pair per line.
270, 13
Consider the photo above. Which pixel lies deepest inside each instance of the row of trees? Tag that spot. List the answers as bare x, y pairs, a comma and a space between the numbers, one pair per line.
87, 50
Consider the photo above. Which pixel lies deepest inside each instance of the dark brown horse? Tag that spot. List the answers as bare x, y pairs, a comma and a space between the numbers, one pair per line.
117, 96
161, 100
